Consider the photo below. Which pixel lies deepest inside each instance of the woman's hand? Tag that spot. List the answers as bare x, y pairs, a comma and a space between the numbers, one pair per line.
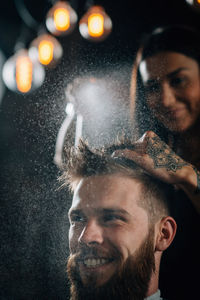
158, 159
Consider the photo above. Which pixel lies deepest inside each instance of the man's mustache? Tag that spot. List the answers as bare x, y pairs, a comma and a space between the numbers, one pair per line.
85, 252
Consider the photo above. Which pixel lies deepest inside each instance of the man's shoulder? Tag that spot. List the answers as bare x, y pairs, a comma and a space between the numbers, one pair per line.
155, 296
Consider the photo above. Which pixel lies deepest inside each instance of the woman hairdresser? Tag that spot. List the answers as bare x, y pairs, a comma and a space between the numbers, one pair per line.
165, 91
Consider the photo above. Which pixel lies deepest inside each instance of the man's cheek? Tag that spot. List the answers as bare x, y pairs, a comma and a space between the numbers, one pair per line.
72, 267
73, 240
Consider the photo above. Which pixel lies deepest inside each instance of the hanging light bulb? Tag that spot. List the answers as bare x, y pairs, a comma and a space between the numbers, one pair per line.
95, 25
21, 74
195, 4
46, 49
61, 18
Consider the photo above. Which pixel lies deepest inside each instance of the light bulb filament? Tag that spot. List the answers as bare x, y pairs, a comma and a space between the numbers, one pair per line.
61, 19
96, 25
24, 70
45, 52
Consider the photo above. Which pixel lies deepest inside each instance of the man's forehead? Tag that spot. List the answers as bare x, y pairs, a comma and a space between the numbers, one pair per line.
105, 190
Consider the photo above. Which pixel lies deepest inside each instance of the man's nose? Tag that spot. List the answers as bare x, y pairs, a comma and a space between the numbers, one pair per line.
92, 233
168, 96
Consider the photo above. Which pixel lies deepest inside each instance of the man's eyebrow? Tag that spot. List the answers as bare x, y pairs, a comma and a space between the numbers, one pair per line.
114, 211
169, 75
74, 211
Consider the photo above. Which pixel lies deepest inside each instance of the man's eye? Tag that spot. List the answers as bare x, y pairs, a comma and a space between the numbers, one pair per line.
76, 219
112, 218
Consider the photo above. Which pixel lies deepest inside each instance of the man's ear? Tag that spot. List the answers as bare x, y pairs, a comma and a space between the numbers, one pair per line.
165, 233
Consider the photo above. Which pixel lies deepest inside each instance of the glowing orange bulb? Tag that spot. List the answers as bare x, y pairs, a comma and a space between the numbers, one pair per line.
198, 1
95, 25
45, 52
23, 75
61, 19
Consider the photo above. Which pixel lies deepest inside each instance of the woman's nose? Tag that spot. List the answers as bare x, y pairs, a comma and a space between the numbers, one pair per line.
168, 97
92, 233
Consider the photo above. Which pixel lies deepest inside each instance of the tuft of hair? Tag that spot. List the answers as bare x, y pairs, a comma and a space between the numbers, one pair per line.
83, 162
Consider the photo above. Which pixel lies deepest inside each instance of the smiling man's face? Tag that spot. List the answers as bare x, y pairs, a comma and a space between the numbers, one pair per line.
107, 226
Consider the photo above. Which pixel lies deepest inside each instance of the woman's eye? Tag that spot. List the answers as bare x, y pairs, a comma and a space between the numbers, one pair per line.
152, 88
177, 81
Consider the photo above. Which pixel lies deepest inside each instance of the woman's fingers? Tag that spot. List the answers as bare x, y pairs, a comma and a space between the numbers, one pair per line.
140, 148
135, 155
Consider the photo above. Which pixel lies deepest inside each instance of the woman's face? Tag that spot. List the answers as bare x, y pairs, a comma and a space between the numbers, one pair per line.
172, 89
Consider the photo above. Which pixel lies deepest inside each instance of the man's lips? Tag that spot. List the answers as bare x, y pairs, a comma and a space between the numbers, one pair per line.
93, 262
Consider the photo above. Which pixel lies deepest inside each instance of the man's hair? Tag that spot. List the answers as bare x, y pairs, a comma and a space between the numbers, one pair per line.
81, 162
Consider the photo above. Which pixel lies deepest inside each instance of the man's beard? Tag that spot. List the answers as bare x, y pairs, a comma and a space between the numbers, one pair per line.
130, 281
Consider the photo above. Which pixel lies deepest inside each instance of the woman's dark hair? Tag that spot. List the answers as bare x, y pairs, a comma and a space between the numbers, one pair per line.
177, 38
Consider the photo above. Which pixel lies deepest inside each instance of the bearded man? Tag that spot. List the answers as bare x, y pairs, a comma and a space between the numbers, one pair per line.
120, 225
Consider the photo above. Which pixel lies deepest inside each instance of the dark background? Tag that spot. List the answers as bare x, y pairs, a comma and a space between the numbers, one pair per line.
33, 212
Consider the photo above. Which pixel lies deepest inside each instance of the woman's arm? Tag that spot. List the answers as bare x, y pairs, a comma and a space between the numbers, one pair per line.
158, 159
191, 186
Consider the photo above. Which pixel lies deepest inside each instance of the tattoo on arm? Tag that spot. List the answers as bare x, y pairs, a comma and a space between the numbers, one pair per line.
163, 156
197, 190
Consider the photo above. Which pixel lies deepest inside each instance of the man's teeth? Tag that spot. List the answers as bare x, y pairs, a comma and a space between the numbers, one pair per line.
93, 262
